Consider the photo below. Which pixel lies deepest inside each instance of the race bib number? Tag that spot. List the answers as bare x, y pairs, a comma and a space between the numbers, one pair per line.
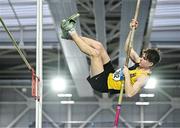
118, 75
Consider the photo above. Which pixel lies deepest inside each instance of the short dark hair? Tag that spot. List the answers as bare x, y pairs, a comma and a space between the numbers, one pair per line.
152, 55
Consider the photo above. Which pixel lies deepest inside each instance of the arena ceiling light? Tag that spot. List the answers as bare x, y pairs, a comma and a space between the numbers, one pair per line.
142, 103
58, 84
67, 102
151, 84
64, 95
146, 95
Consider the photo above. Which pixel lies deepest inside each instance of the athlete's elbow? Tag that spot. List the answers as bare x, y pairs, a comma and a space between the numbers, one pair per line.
129, 94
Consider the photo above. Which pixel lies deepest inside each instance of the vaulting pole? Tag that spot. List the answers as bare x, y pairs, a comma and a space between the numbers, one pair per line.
39, 67
130, 42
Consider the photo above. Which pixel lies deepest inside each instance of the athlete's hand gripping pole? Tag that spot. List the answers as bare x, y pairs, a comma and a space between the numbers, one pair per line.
132, 31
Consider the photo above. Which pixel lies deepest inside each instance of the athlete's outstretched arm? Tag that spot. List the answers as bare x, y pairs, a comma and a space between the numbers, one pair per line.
133, 54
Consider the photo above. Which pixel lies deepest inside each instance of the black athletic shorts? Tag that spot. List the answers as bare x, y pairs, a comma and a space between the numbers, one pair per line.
99, 82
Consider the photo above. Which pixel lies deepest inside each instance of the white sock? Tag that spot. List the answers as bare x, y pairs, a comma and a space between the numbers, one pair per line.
73, 30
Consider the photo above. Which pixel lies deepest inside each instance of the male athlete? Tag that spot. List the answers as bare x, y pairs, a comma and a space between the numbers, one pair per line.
103, 77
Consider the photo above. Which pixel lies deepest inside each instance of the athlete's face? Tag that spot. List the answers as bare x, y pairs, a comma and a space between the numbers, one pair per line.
144, 62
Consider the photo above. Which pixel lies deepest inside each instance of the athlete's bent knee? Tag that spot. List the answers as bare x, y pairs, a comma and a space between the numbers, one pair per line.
98, 50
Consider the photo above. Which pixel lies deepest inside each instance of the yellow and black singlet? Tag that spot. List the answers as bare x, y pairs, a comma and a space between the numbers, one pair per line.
135, 72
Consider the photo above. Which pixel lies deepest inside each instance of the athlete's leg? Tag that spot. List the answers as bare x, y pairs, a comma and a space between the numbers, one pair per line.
92, 48
94, 53
96, 44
